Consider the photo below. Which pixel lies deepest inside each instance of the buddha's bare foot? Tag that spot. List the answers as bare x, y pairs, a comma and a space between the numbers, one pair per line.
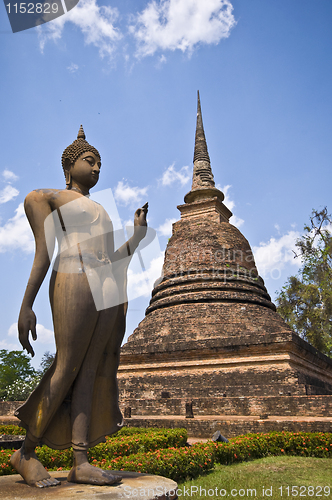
88, 474
32, 471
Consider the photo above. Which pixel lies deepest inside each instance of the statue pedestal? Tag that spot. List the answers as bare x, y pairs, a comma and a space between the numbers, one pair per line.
134, 486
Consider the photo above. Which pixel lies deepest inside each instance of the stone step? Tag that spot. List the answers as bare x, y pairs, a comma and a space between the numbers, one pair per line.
133, 485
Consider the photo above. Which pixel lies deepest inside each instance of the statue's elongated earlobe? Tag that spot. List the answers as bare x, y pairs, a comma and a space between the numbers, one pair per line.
68, 179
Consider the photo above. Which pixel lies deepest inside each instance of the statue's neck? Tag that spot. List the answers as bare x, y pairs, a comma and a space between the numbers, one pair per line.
77, 189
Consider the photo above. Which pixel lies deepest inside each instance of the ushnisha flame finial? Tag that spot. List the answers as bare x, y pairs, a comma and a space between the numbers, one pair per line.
81, 134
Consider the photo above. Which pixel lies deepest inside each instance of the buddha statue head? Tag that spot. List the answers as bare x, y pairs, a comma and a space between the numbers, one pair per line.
74, 151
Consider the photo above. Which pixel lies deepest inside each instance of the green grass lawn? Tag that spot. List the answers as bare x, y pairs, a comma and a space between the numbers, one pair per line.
265, 478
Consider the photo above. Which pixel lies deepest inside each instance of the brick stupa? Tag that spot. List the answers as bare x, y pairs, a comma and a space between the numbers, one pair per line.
212, 340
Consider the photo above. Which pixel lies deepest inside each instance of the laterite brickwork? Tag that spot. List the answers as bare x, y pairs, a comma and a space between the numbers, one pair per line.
211, 335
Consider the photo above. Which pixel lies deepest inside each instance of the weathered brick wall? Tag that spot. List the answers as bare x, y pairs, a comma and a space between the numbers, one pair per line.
206, 324
235, 382
314, 406
231, 428
9, 407
201, 244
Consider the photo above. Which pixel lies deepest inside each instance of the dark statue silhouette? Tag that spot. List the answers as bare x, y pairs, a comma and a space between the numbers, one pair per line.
76, 402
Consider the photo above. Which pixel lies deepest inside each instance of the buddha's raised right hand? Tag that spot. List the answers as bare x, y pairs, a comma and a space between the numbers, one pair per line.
26, 323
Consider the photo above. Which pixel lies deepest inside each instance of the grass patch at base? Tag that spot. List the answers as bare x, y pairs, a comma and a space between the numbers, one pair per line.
255, 479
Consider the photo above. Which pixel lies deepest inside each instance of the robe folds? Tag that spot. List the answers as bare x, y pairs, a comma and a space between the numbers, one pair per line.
89, 304
106, 418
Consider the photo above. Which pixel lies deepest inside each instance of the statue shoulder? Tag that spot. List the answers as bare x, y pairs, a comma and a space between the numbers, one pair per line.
40, 203
41, 195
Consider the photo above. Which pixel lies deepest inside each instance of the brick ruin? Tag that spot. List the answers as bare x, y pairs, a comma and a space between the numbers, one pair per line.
212, 352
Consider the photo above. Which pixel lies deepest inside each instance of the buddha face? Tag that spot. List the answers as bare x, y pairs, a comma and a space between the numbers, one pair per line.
85, 171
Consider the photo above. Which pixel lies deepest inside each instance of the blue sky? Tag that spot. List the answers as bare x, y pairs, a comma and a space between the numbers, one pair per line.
129, 72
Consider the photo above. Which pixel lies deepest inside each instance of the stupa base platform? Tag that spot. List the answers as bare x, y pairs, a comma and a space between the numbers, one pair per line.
9, 420
233, 425
134, 486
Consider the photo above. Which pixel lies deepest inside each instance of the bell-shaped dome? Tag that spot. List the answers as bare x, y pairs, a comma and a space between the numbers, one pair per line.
208, 261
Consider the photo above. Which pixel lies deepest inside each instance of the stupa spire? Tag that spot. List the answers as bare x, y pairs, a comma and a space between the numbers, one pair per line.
201, 151
203, 185
202, 175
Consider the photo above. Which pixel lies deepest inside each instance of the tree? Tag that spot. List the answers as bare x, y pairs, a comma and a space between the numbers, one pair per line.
21, 389
305, 302
14, 366
46, 362
17, 377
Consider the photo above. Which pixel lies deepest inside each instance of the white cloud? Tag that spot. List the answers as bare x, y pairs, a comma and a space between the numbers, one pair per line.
13, 331
328, 227
230, 204
16, 233
72, 68
171, 176
126, 195
9, 345
140, 284
161, 25
273, 256
9, 176
96, 23
181, 24
44, 335
165, 229
236, 221
8, 194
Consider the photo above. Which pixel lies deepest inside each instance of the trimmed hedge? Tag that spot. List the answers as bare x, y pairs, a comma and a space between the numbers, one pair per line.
181, 464
175, 463
5, 467
251, 446
12, 430
163, 451
123, 443
118, 445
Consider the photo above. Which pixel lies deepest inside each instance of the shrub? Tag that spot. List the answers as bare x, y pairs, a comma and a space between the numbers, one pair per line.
143, 442
120, 444
163, 451
5, 467
12, 430
178, 464
250, 446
